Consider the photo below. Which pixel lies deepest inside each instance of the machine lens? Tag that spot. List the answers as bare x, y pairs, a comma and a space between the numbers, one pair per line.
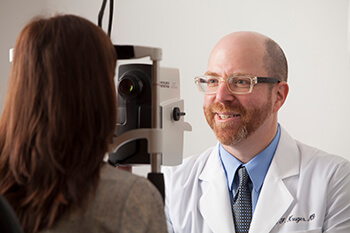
126, 86
130, 86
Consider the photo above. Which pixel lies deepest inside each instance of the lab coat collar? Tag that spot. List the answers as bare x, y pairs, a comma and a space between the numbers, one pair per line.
215, 206
275, 198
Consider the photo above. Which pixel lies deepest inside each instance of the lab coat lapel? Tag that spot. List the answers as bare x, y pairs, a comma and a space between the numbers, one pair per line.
275, 198
214, 204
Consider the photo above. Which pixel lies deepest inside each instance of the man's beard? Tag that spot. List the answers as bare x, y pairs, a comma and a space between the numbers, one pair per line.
231, 133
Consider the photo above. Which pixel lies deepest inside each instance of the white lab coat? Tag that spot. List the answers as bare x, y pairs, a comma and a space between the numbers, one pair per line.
305, 190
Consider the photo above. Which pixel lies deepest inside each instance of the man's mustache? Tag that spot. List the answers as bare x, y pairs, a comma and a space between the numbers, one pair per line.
222, 107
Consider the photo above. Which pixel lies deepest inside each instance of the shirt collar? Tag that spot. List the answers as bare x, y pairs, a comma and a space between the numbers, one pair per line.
257, 167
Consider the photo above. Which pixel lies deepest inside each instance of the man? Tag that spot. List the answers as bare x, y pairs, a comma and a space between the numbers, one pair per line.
257, 178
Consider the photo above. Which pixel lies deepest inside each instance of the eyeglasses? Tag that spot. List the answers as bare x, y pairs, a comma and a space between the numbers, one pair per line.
237, 84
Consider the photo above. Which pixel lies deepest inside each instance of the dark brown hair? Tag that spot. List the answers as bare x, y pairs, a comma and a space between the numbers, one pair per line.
275, 61
58, 118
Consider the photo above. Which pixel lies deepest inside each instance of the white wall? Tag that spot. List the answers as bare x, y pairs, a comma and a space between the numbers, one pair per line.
313, 34
14, 14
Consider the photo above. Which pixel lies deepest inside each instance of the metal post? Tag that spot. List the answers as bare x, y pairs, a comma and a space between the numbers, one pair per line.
156, 158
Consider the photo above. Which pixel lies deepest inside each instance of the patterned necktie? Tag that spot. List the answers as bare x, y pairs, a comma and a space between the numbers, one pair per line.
242, 203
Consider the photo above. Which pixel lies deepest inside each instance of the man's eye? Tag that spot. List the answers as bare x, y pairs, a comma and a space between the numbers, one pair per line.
241, 81
212, 81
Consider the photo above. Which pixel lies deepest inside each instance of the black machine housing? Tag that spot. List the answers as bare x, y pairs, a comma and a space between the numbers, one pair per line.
134, 112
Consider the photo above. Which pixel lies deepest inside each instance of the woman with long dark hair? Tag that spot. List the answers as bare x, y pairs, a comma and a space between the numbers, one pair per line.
57, 122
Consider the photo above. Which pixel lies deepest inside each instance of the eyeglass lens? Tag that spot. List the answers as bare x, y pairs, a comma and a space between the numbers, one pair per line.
235, 84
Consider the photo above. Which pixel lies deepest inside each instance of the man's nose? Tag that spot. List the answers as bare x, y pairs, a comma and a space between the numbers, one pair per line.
223, 93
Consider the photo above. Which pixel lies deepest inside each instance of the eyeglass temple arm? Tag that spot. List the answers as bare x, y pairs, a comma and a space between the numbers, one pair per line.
267, 80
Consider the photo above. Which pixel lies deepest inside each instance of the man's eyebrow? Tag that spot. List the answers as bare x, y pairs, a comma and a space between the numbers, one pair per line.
211, 73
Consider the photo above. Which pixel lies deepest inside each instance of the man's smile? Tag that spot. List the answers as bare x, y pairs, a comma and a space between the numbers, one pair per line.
225, 116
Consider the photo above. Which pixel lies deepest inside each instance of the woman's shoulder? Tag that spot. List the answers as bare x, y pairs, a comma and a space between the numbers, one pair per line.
122, 181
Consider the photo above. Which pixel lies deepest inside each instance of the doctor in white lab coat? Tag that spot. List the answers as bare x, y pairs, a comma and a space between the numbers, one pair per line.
303, 189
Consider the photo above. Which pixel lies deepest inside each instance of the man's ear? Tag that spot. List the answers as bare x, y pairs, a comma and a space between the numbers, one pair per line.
281, 92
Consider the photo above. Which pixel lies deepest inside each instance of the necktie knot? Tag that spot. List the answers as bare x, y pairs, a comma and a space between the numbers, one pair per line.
243, 177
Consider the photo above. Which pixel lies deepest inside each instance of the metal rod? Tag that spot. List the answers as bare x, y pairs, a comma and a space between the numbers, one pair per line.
156, 158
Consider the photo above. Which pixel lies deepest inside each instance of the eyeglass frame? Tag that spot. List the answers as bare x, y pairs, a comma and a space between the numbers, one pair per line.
254, 80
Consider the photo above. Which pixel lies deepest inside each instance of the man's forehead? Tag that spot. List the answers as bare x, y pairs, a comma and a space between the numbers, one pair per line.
237, 60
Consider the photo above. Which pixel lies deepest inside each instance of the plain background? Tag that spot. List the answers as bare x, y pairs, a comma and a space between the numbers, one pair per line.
313, 34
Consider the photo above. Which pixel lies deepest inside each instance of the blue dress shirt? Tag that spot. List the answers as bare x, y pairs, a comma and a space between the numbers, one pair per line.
257, 168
